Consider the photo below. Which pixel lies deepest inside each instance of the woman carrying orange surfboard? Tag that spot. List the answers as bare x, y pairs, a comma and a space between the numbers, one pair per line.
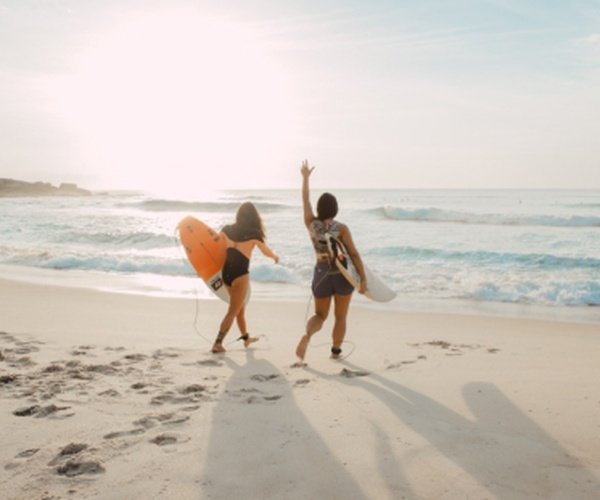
241, 237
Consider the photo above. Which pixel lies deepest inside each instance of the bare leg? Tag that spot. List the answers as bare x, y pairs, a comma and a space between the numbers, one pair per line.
241, 322
342, 304
237, 294
314, 324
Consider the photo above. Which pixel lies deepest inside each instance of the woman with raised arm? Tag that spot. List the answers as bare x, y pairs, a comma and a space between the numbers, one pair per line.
246, 233
327, 281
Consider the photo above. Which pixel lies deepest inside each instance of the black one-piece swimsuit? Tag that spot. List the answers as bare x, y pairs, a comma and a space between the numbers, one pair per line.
236, 265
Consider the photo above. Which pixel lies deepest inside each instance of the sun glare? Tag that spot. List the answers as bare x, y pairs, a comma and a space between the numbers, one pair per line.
159, 98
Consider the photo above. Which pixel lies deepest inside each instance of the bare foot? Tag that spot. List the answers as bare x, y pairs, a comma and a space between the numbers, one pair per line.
249, 341
302, 345
217, 348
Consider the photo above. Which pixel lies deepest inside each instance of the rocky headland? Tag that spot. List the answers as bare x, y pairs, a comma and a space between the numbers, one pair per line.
14, 188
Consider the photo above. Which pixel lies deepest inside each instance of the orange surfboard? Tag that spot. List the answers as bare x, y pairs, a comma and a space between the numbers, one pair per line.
206, 250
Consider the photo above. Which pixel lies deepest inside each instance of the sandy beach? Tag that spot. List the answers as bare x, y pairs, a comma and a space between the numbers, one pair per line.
116, 396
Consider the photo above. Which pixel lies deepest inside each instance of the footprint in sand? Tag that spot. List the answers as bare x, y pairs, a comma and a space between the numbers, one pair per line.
156, 366
8, 379
76, 468
147, 422
113, 349
19, 458
455, 349
22, 362
192, 389
262, 399
171, 397
41, 411
68, 451
242, 393
392, 366
150, 421
164, 439
165, 353
208, 362
177, 420
27, 453
353, 373
302, 382
275, 397
23, 348
118, 434
111, 393
102, 369
7, 337
135, 358
264, 378
82, 350
53, 368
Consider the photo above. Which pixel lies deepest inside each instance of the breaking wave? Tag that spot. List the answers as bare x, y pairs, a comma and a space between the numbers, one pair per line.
433, 214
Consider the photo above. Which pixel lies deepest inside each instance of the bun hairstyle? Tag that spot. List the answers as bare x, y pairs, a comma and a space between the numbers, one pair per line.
327, 207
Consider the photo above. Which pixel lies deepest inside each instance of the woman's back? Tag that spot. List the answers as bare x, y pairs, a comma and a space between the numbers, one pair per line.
320, 229
242, 239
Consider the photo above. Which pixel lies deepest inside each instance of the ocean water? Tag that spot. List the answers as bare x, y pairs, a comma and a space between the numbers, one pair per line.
511, 252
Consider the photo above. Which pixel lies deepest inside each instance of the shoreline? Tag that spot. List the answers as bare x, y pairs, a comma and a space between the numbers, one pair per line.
107, 395
144, 286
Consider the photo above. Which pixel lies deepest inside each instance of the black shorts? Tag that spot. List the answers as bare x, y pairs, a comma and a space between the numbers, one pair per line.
327, 282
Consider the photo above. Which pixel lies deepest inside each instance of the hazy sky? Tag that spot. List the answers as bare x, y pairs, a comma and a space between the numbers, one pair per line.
196, 94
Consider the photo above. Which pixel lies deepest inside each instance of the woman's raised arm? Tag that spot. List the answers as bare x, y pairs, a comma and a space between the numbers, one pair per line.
307, 207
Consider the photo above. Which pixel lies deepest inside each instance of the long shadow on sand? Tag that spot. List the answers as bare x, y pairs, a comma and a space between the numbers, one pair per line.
262, 446
503, 449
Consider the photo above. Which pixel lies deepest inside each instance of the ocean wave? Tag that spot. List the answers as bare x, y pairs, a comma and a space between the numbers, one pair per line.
582, 205
131, 264
158, 205
553, 293
141, 240
117, 265
272, 274
508, 259
433, 214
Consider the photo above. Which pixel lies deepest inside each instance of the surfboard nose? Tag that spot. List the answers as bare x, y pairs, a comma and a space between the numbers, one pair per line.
205, 249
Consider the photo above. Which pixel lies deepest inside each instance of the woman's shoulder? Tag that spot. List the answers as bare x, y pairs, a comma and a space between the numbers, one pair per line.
242, 235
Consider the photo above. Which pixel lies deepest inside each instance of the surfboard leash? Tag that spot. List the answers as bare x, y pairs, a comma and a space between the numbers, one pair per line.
196, 297
341, 358
310, 298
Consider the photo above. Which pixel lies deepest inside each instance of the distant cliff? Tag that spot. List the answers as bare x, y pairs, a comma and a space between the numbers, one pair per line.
13, 188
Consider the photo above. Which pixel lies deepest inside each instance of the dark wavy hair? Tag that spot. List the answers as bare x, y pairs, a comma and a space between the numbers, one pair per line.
327, 206
248, 221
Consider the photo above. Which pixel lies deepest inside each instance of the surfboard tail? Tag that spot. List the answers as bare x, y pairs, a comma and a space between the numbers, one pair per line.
377, 290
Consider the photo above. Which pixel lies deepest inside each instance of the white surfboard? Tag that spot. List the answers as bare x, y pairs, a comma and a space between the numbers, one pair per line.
377, 290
